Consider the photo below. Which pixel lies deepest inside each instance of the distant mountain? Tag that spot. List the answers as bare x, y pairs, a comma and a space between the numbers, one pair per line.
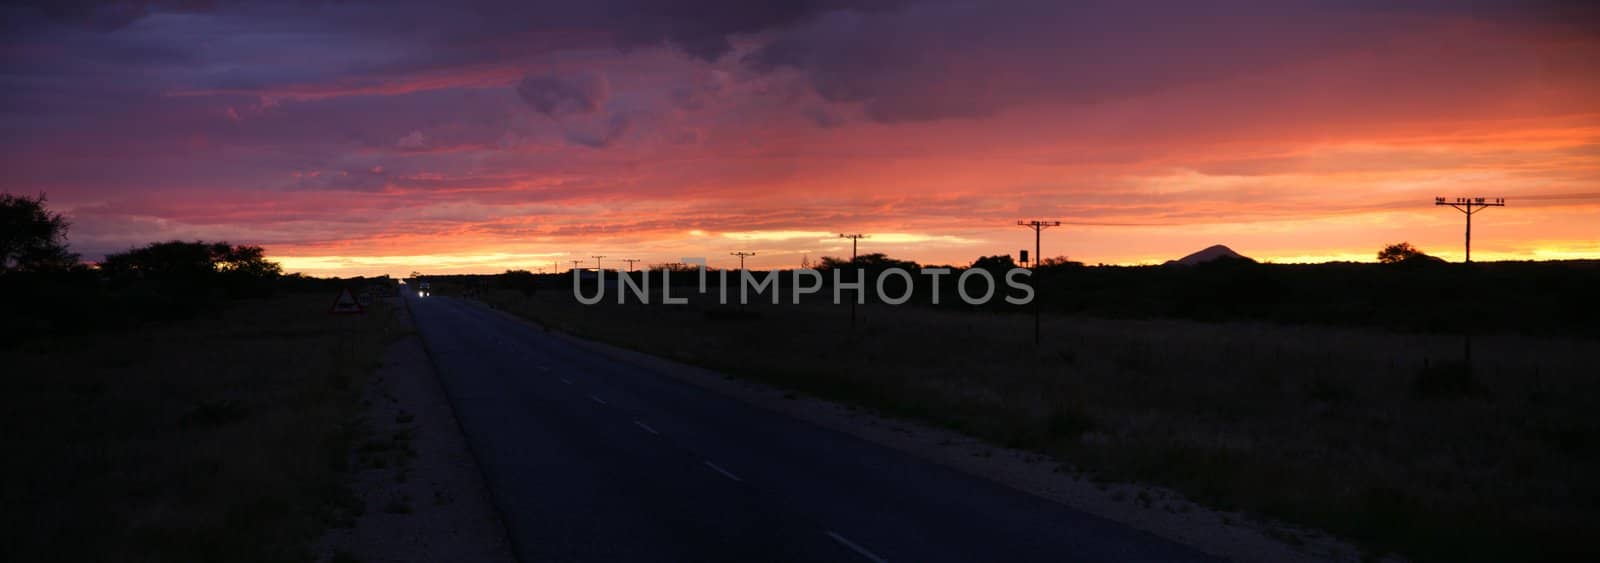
1208, 254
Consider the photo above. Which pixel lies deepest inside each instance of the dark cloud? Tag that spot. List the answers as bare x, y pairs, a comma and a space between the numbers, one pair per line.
556, 96
612, 131
959, 59
701, 28
103, 15
358, 180
824, 117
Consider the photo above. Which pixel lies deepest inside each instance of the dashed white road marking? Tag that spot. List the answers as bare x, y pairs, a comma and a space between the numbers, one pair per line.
862, 551
724, 472
597, 399
646, 427
566, 381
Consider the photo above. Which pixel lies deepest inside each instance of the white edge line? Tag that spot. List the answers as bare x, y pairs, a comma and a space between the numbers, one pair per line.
597, 399
724, 472
858, 549
646, 427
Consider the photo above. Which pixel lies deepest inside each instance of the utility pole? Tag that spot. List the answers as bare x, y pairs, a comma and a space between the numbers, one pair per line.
575, 264
1469, 206
741, 254
854, 239
597, 262
630, 262
1037, 226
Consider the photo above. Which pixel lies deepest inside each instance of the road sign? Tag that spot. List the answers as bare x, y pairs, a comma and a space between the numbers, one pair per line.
346, 304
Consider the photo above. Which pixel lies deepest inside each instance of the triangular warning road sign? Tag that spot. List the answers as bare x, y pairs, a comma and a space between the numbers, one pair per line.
346, 304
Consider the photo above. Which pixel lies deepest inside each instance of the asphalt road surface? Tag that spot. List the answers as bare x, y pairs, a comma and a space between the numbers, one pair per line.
592, 459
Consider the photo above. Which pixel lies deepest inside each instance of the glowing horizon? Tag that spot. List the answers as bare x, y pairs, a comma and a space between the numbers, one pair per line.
349, 141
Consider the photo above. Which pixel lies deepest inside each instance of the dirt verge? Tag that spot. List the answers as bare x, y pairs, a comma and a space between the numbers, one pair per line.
418, 492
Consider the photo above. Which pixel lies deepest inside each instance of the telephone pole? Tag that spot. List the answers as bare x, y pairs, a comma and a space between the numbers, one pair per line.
741, 254
630, 262
575, 264
597, 262
855, 238
1469, 206
1038, 227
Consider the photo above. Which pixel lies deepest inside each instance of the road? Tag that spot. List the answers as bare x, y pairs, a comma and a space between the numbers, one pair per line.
589, 458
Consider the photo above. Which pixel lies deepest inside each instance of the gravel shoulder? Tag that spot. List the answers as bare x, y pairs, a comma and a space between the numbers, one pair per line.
421, 495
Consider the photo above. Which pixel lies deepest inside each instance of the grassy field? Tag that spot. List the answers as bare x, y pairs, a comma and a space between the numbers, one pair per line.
221, 438
1379, 437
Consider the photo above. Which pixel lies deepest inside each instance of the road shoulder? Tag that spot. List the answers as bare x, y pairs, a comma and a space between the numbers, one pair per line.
420, 493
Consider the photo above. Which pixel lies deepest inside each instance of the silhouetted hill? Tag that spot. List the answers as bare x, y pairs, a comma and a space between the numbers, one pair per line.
1208, 254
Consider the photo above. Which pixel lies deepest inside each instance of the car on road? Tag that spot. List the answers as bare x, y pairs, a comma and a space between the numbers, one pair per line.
423, 289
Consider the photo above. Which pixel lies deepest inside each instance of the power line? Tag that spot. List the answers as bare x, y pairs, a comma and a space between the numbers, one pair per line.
1470, 206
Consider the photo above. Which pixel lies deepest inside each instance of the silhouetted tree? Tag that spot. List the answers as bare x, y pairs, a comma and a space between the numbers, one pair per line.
519, 280
32, 239
1399, 252
998, 262
178, 266
1404, 253
1058, 262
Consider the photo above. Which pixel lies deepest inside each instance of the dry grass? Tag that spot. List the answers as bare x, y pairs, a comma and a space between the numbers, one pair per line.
1378, 437
214, 439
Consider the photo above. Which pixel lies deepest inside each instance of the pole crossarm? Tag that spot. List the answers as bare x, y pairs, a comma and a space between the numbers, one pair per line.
1038, 226
1470, 206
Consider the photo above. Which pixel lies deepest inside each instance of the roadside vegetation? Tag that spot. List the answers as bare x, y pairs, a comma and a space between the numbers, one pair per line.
180, 401
1376, 432
221, 438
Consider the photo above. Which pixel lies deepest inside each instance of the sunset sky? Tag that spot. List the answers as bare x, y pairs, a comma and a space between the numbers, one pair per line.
385, 137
